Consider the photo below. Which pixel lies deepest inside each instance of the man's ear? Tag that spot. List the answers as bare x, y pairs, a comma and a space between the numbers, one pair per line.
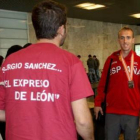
61, 30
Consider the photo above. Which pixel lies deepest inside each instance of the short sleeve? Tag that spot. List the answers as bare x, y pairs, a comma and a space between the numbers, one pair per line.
80, 86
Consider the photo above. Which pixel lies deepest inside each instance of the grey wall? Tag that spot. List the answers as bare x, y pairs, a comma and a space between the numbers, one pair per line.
86, 37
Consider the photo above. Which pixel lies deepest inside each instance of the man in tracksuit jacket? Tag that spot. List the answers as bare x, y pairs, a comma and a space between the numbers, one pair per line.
123, 93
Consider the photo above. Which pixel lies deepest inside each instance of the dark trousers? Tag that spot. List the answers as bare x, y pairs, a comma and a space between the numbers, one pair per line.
99, 131
2, 130
115, 123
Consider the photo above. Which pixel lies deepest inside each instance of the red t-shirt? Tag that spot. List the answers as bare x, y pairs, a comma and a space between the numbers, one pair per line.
41, 81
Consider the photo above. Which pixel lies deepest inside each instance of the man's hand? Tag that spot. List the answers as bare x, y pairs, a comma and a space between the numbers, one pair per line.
97, 110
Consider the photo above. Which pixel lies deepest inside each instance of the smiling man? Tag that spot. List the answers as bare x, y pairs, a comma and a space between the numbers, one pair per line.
123, 96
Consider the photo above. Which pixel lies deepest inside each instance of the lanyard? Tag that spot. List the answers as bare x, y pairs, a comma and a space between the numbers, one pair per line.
128, 74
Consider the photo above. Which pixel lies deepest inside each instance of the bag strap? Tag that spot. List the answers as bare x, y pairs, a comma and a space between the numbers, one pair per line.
107, 79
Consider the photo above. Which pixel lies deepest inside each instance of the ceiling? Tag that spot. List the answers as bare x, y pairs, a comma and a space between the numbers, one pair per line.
116, 11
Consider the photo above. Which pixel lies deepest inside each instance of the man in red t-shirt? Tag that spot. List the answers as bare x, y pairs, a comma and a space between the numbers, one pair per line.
45, 87
123, 92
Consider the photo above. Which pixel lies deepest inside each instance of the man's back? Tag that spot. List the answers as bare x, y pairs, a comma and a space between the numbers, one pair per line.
45, 87
90, 63
43, 80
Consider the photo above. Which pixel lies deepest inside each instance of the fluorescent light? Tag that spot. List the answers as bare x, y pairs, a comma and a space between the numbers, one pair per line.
84, 5
94, 7
89, 6
136, 15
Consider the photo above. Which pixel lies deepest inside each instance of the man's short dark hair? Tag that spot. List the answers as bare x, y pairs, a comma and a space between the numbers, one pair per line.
47, 17
126, 29
1, 60
13, 49
89, 55
79, 56
27, 45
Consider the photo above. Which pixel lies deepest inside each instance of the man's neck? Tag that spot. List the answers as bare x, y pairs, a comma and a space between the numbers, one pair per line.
53, 41
125, 53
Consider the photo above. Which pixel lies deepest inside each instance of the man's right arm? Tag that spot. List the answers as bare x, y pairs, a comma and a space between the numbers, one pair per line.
2, 115
2, 99
2, 104
101, 95
83, 119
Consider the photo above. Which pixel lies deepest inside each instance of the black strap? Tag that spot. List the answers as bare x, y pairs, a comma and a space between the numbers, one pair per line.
107, 78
